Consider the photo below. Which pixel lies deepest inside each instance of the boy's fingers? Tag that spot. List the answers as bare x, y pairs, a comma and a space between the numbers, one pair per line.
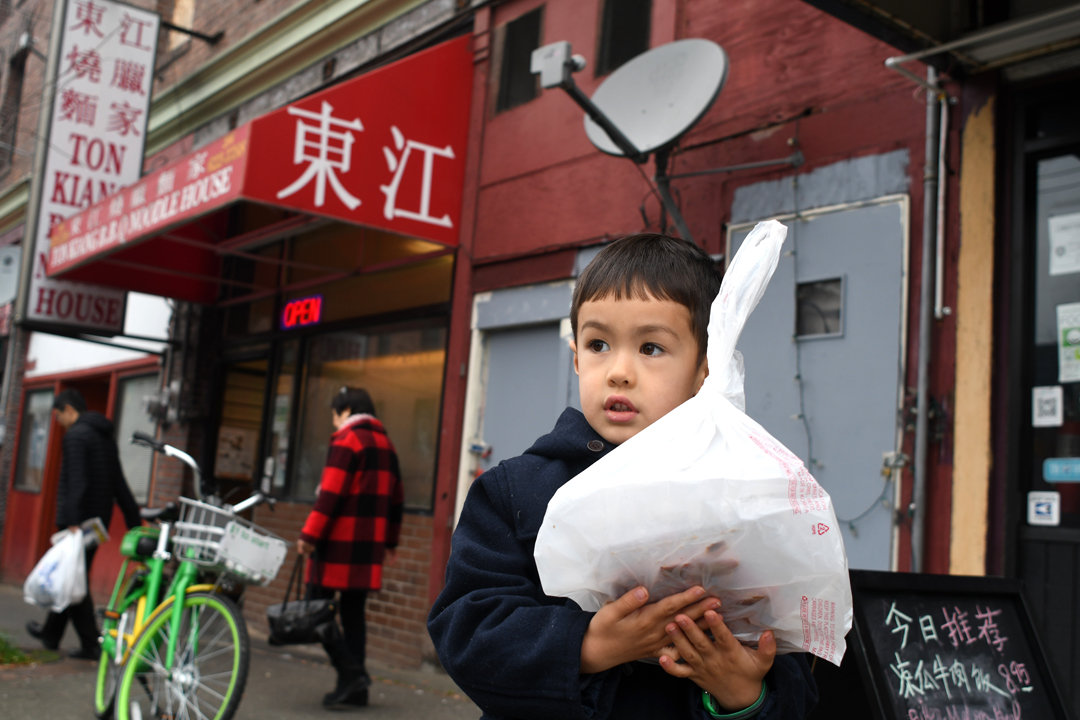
694, 634
674, 603
686, 649
697, 610
673, 668
631, 601
721, 634
766, 650
668, 651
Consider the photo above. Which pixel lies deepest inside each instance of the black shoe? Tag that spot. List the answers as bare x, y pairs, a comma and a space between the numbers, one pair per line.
350, 695
35, 630
85, 654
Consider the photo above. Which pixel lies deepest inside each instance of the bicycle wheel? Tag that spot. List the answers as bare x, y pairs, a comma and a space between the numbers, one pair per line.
105, 690
209, 670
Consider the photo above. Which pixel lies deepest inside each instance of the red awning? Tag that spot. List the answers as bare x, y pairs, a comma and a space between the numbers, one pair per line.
385, 150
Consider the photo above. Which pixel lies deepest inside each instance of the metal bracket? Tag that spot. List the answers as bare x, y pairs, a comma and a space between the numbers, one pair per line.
209, 39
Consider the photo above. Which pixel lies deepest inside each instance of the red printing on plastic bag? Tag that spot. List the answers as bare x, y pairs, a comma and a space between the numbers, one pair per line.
804, 494
818, 626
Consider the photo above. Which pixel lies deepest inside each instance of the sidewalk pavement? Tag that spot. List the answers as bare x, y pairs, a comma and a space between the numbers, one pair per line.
282, 682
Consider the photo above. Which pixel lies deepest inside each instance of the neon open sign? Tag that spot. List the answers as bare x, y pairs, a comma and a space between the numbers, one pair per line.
301, 312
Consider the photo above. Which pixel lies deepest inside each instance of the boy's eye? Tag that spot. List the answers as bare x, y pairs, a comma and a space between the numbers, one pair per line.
651, 349
598, 346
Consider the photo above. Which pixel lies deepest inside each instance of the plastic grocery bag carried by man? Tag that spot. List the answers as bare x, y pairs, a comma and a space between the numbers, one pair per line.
59, 578
706, 496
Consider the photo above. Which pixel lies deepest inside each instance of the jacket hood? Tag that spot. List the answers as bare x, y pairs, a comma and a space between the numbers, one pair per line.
571, 439
532, 478
97, 421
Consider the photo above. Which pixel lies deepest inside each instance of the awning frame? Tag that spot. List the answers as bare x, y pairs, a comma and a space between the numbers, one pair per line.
999, 32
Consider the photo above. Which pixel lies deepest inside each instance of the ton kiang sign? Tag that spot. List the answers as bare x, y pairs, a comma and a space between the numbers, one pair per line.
386, 150
182, 190
96, 139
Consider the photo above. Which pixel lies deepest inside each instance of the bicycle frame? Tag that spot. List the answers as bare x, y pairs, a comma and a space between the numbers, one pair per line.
145, 600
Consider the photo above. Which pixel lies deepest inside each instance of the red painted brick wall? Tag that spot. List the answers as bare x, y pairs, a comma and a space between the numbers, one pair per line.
396, 615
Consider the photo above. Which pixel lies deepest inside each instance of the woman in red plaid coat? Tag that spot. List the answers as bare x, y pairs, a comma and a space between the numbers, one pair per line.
351, 533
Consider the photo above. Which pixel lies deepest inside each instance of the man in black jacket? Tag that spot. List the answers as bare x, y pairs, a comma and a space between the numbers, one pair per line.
90, 480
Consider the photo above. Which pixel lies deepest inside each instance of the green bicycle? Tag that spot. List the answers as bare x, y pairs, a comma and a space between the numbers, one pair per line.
182, 652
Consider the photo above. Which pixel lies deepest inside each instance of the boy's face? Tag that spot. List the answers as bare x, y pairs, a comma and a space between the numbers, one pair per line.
637, 360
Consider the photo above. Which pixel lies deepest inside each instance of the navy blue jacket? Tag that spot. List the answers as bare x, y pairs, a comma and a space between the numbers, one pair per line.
517, 652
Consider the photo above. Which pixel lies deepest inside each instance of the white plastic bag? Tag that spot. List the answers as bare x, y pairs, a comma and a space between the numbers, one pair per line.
59, 578
706, 496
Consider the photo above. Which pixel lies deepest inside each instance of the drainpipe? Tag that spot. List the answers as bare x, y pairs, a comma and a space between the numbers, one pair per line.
917, 509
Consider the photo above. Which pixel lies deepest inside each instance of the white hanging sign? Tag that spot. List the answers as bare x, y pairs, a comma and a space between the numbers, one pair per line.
97, 135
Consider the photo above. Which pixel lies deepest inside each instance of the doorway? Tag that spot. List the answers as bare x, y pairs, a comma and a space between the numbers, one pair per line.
824, 357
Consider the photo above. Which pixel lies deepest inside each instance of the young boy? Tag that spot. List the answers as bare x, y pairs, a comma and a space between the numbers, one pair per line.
639, 314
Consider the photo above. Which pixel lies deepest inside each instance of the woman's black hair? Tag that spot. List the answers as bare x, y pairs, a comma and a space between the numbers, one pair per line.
355, 399
648, 266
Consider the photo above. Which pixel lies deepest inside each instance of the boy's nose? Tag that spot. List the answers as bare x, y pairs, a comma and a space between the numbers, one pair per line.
622, 371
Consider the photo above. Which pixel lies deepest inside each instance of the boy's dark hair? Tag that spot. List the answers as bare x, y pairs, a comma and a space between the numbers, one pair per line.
650, 265
72, 397
356, 399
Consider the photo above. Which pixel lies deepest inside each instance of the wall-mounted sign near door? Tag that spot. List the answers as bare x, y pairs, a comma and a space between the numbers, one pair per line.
939, 646
302, 312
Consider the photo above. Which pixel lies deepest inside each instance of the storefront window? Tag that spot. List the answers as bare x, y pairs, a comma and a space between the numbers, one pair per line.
240, 424
403, 371
34, 440
136, 461
1055, 460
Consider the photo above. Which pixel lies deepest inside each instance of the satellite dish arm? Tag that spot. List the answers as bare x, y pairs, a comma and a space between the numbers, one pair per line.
555, 66
598, 117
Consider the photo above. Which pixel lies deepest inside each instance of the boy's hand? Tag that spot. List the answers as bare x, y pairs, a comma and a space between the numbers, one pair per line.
628, 629
731, 672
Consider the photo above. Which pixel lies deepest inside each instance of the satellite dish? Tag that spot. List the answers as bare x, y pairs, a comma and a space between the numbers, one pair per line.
658, 96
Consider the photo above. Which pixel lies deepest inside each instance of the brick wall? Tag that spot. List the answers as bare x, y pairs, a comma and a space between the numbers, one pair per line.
396, 615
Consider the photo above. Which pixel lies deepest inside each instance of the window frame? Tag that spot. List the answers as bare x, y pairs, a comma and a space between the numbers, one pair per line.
17, 454
603, 64
500, 77
270, 346
120, 379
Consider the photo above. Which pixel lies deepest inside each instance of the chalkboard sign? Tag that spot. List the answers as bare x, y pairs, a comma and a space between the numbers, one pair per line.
940, 647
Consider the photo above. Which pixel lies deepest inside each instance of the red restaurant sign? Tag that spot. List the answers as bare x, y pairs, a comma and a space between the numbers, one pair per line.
386, 149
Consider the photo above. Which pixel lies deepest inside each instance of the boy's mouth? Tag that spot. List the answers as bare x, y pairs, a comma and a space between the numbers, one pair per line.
618, 408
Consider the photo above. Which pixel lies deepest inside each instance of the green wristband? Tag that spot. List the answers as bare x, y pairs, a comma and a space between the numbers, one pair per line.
714, 710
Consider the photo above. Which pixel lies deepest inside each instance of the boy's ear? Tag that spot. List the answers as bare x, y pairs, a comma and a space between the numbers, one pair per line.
573, 349
702, 373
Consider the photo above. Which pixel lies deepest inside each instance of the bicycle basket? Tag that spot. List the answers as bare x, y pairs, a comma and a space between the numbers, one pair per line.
214, 538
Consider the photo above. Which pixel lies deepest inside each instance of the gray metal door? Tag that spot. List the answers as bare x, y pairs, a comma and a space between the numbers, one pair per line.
824, 360
528, 385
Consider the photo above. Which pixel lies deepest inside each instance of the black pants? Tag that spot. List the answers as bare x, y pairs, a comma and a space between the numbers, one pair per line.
351, 610
81, 616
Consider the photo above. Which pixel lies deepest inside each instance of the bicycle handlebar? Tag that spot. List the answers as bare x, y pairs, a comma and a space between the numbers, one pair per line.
256, 499
141, 438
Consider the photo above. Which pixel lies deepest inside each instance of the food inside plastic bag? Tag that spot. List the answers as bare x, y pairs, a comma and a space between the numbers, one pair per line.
59, 578
705, 496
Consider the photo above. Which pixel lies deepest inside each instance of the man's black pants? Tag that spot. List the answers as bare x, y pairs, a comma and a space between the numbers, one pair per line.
351, 609
80, 614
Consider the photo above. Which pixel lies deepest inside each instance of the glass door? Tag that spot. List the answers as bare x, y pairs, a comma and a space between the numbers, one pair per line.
1054, 458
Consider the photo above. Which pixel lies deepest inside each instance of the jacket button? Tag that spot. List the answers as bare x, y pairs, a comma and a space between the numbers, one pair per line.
596, 445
